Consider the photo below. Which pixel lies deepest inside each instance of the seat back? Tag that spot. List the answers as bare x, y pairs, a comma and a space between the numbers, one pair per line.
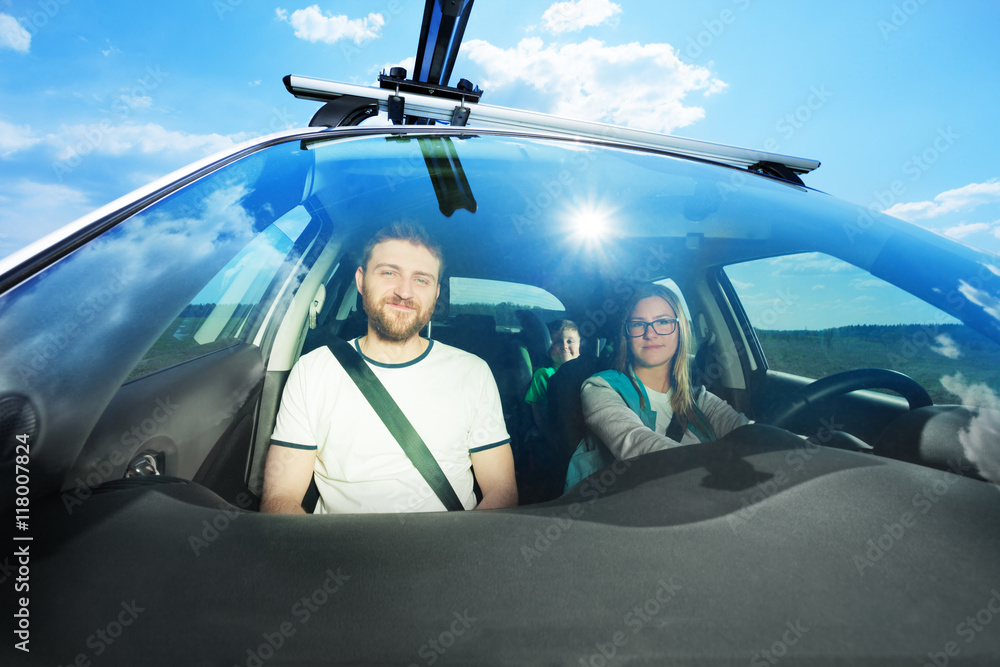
565, 408
535, 336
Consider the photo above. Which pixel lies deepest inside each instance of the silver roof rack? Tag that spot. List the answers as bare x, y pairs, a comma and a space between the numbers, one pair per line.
472, 113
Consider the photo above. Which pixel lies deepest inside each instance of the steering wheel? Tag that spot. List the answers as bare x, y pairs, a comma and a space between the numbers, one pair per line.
846, 382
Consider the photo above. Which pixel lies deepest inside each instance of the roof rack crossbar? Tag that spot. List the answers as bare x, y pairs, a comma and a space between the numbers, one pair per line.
483, 115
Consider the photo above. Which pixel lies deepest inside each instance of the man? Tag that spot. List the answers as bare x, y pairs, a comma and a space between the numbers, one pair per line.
325, 426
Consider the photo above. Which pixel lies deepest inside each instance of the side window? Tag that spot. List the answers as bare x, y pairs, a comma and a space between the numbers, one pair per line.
672, 286
483, 314
502, 300
224, 311
816, 315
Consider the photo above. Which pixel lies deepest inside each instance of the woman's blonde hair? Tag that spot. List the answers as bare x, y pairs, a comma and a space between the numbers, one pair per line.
682, 400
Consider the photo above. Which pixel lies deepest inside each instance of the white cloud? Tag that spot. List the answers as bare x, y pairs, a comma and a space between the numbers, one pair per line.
979, 440
14, 138
974, 395
981, 298
573, 16
911, 210
13, 35
36, 209
111, 50
963, 230
946, 347
409, 64
639, 85
740, 285
312, 25
959, 199
812, 263
72, 142
132, 102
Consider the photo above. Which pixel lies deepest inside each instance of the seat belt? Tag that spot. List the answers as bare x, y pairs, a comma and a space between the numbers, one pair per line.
399, 426
675, 430
701, 426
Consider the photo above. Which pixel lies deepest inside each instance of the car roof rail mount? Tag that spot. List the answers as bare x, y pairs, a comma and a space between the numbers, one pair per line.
432, 105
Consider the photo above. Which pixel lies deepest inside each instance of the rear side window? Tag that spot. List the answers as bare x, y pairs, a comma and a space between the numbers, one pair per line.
501, 300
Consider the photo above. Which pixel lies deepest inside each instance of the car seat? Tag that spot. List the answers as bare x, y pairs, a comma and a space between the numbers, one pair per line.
536, 337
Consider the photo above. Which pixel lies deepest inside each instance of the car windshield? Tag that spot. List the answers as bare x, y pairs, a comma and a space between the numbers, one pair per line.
581, 221
147, 353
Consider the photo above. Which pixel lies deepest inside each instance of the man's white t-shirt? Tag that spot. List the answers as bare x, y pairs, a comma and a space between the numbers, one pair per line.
450, 398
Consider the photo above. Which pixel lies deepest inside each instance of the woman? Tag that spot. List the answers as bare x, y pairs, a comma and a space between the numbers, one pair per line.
646, 402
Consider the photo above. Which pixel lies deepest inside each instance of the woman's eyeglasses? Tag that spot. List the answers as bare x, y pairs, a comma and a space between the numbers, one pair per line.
637, 328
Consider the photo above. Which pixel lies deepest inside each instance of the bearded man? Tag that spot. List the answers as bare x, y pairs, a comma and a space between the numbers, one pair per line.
326, 429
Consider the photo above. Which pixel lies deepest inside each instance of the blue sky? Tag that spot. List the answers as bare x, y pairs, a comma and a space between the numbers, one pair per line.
898, 99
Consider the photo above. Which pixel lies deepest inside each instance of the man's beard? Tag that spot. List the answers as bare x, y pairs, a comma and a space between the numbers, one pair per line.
395, 326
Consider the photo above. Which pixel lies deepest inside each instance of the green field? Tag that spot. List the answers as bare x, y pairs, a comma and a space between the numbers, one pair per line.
924, 352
